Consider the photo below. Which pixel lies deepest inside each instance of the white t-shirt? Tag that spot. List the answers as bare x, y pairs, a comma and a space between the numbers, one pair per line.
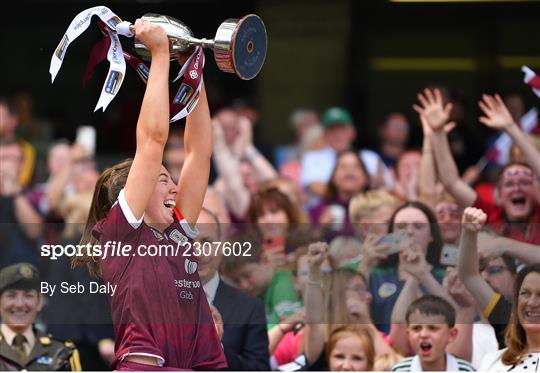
317, 165
484, 342
492, 363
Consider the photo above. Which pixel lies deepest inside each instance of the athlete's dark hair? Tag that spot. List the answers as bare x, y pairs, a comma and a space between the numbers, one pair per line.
108, 187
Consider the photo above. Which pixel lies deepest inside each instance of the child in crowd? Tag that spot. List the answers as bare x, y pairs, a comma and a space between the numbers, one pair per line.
431, 327
350, 348
259, 278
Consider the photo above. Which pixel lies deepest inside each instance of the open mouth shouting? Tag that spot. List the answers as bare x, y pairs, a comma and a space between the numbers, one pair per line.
169, 204
425, 348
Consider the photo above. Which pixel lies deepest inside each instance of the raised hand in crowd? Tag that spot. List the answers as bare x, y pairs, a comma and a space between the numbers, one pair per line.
437, 115
59, 182
317, 253
290, 323
468, 269
457, 289
412, 260
275, 258
496, 113
429, 188
373, 253
462, 346
497, 116
433, 108
314, 302
473, 219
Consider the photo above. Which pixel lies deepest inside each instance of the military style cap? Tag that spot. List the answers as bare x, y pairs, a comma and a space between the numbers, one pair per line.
336, 116
23, 276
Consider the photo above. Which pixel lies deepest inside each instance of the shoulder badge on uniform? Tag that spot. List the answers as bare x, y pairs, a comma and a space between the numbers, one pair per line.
45, 340
178, 237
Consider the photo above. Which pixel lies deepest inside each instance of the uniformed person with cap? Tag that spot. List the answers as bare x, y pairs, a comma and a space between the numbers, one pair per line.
22, 346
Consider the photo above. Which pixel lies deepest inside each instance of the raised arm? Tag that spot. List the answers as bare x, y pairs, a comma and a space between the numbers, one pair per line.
262, 168
437, 114
227, 164
498, 117
153, 124
428, 172
398, 329
468, 268
193, 179
462, 346
314, 303
491, 245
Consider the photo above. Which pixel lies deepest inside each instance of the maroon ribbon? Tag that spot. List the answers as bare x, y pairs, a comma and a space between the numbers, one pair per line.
187, 94
98, 53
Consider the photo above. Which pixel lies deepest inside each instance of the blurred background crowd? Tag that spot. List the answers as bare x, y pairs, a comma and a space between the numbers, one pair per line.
370, 128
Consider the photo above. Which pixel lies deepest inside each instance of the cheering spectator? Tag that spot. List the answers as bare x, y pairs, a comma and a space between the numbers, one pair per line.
276, 220
517, 213
523, 330
240, 166
491, 285
347, 302
431, 327
348, 178
416, 236
317, 165
350, 348
406, 185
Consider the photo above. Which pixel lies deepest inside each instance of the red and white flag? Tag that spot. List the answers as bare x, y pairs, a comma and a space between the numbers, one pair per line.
531, 79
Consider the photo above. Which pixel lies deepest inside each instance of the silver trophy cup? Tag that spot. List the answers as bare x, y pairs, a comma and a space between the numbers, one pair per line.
239, 45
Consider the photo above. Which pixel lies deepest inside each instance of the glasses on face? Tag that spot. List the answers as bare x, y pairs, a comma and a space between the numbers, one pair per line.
454, 211
522, 183
493, 270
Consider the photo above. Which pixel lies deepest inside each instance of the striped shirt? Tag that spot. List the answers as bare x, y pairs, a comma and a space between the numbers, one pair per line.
413, 364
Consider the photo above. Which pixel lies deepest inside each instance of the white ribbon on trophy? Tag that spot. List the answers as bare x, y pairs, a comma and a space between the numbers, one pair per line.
117, 64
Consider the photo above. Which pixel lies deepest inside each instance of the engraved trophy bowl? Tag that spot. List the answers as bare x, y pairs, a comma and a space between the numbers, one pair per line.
239, 45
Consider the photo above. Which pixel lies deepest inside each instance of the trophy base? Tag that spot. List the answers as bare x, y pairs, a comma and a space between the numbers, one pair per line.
240, 46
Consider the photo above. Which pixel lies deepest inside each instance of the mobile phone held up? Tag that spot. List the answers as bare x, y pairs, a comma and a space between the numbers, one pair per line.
86, 136
274, 244
449, 255
394, 238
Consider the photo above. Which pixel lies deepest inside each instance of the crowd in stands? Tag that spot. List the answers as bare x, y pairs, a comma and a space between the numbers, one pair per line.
391, 258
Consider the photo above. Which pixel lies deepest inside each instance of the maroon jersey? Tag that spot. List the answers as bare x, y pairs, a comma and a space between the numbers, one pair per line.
159, 308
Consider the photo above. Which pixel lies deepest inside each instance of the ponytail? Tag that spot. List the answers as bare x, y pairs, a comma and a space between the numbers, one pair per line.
108, 187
